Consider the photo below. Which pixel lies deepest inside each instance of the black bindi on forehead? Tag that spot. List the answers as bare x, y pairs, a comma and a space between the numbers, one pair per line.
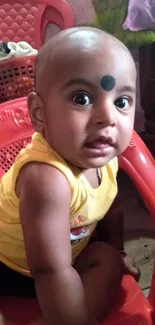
108, 82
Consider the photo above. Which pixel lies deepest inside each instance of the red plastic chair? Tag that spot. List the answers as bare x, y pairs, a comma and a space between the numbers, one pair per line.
131, 307
16, 77
24, 20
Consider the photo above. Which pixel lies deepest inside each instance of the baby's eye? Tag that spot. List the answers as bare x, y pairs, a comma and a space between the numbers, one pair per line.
82, 99
122, 103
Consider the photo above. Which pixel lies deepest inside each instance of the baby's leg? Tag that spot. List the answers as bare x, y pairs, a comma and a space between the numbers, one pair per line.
100, 267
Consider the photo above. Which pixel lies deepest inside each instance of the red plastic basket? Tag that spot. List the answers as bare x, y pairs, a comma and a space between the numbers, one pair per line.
16, 77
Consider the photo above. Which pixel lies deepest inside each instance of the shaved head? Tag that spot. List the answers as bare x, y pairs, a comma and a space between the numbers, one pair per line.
66, 46
85, 86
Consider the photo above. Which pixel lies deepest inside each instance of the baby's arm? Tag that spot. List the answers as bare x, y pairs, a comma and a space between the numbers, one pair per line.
45, 197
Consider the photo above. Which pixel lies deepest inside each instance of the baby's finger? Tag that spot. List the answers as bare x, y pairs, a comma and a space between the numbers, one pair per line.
135, 272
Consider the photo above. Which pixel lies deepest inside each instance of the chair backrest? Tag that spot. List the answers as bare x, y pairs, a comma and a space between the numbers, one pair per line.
15, 131
26, 20
139, 164
16, 77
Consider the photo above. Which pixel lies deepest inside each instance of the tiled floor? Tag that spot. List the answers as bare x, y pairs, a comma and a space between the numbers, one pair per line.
146, 292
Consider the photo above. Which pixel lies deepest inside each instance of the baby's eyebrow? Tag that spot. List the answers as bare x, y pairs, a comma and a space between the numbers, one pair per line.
85, 82
78, 81
127, 88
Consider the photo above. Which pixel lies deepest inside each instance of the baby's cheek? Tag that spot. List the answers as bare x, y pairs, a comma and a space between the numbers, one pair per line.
125, 137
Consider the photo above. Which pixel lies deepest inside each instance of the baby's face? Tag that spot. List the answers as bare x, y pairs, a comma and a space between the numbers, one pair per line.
90, 107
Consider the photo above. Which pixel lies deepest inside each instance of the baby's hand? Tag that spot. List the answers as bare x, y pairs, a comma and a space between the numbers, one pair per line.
130, 266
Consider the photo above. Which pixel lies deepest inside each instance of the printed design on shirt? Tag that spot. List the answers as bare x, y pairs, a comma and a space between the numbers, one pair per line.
78, 221
80, 233
81, 218
79, 230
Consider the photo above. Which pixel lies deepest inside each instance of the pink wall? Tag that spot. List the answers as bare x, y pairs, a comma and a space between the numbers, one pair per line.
83, 11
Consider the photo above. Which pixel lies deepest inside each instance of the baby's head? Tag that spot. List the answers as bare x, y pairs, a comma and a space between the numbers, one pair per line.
84, 104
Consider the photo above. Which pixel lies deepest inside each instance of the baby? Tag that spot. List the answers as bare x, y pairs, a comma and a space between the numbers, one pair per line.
61, 228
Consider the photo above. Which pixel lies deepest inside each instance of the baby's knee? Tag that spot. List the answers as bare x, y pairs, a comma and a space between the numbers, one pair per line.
110, 261
107, 254
103, 255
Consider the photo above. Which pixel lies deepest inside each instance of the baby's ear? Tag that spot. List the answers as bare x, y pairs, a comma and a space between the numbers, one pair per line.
36, 111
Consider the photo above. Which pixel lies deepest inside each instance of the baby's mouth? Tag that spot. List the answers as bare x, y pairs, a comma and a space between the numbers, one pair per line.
99, 143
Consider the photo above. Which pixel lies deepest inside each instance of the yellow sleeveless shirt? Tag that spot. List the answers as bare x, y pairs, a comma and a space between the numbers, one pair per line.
88, 205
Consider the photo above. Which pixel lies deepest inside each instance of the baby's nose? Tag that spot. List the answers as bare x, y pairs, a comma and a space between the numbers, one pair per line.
106, 114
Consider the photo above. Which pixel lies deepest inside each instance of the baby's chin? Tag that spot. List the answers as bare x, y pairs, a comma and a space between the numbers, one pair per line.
92, 162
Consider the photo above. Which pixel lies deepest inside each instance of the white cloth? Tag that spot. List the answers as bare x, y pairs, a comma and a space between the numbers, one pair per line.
18, 50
